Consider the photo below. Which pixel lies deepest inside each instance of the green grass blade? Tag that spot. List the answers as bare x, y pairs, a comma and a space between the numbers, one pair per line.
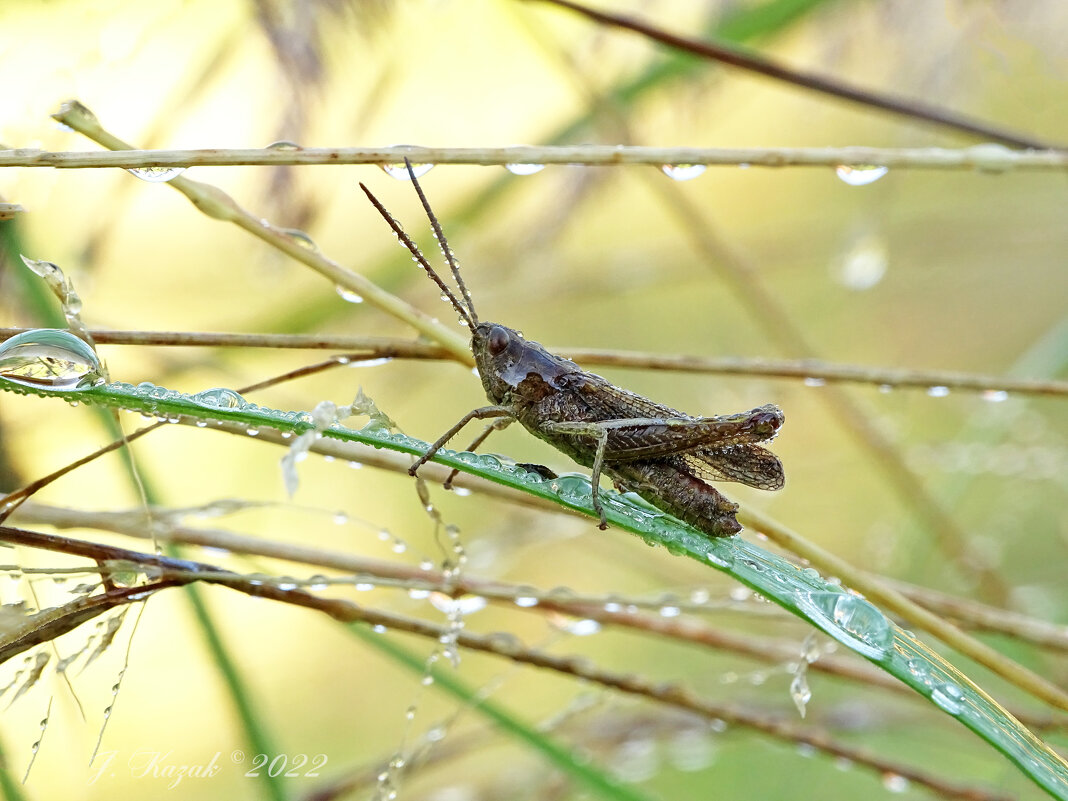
256, 735
851, 620
10, 789
584, 774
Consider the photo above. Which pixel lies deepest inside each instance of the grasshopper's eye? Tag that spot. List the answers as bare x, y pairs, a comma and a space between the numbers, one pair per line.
497, 340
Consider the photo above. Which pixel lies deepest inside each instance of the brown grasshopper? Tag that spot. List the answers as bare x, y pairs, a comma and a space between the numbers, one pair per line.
665, 456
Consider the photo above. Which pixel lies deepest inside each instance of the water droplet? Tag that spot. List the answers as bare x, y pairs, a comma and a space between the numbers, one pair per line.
526, 601
800, 692
850, 620
995, 395
669, 611
582, 628
864, 264
348, 295
301, 238
860, 174
157, 175
691, 750
991, 157
720, 554
50, 358
220, 398
812, 381
683, 172
938, 392
465, 605
895, 783
252, 432
524, 169
399, 170
948, 698
573, 487
284, 144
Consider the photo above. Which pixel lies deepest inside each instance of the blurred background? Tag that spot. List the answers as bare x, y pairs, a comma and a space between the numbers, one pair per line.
920, 269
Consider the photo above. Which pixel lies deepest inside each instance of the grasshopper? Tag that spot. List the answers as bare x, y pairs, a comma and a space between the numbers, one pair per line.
665, 456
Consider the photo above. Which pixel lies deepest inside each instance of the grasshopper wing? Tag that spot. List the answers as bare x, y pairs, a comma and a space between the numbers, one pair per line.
748, 464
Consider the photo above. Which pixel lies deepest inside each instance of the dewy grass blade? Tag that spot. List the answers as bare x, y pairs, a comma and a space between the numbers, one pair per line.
848, 618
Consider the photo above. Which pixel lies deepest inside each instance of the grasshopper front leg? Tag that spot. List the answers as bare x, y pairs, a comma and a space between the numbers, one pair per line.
496, 425
474, 414
600, 431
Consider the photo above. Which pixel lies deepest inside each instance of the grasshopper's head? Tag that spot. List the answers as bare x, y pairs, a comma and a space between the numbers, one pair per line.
511, 365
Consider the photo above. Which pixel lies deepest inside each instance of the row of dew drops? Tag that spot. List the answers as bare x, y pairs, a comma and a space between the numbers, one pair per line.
852, 174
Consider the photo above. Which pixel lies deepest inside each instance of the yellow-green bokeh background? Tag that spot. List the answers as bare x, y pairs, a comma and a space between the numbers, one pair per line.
975, 279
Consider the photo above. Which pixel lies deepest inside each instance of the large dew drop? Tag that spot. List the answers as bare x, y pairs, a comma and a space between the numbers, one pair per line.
683, 172
850, 620
860, 174
400, 170
220, 398
348, 295
156, 175
50, 358
524, 169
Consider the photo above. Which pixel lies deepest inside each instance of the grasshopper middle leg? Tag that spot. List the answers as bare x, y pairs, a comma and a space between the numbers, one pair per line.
600, 431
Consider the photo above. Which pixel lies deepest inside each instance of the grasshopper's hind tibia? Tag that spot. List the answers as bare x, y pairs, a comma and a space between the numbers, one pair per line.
475, 414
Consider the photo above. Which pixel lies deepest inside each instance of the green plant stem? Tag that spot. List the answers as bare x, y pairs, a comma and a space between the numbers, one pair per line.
255, 732
594, 780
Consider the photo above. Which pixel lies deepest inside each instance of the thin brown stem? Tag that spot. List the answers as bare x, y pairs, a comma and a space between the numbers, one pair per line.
984, 158
347, 612
607, 610
356, 348
736, 57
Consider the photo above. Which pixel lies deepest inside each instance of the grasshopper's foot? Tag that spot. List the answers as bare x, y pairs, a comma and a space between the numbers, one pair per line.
448, 481
600, 513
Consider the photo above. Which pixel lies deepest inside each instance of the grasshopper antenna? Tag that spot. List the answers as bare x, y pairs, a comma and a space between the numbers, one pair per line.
443, 243
417, 254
